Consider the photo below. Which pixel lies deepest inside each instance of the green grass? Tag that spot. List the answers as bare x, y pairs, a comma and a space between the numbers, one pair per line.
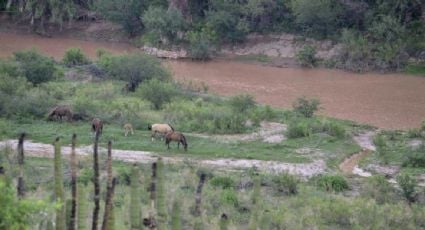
415, 69
45, 132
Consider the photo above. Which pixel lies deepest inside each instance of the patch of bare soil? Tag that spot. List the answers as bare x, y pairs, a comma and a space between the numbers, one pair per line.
304, 170
269, 132
350, 164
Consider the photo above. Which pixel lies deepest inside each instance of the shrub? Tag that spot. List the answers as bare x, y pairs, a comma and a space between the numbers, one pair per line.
332, 183
229, 197
299, 128
242, 103
378, 188
200, 45
334, 129
157, 92
134, 68
305, 106
222, 182
317, 18
125, 13
35, 67
407, 184
85, 176
306, 57
74, 56
285, 184
166, 24
228, 27
415, 158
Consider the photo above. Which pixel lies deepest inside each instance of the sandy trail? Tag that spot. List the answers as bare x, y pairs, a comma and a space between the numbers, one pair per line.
304, 170
350, 164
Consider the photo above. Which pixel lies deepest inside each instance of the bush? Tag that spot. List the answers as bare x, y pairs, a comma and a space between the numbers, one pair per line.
378, 188
407, 184
298, 129
134, 68
229, 197
125, 13
74, 56
306, 57
285, 184
213, 117
332, 183
334, 129
416, 158
242, 103
200, 45
166, 24
227, 26
305, 106
157, 92
317, 18
222, 182
35, 67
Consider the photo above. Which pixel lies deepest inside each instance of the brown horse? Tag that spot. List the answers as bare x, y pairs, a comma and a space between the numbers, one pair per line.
97, 126
176, 136
59, 112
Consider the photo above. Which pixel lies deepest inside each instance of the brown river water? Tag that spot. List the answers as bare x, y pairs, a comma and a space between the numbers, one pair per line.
393, 101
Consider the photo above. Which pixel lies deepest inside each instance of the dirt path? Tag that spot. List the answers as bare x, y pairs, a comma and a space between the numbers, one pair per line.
304, 170
350, 164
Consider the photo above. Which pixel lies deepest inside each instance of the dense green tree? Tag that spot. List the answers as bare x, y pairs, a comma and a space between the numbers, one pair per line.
318, 18
165, 24
158, 92
36, 67
126, 13
134, 68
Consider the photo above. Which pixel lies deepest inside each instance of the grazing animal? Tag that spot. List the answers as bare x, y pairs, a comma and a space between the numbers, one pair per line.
60, 111
161, 129
176, 136
128, 128
97, 126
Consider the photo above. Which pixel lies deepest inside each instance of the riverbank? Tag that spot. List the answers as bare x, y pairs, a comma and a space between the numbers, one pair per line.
390, 101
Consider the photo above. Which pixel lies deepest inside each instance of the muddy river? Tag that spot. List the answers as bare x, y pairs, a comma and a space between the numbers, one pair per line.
393, 101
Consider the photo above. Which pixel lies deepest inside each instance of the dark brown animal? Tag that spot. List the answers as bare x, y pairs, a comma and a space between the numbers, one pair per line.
97, 126
176, 136
59, 112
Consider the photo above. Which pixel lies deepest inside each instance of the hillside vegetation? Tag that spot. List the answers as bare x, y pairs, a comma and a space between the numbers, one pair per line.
375, 34
136, 88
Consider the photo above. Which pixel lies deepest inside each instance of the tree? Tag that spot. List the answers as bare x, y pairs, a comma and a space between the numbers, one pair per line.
35, 67
17, 213
158, 92
134, 68
305, 106
126, 13
318, 18
165, 24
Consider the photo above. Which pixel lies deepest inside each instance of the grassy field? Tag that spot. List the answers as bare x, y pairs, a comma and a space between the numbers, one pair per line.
334, 149
231, 194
